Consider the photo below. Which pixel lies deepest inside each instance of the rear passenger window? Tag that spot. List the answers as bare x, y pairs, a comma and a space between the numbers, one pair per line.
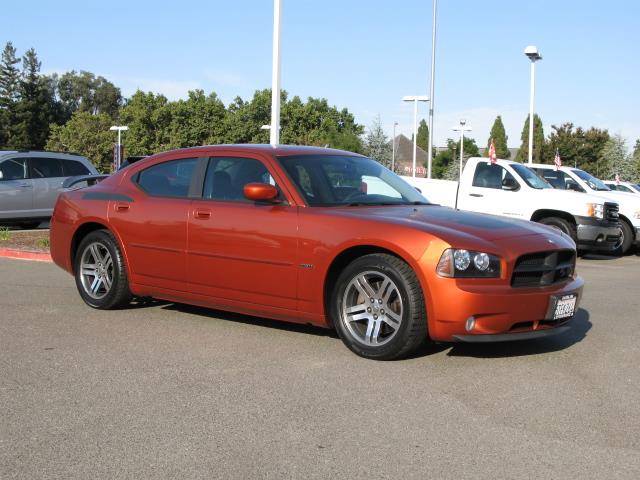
71, 168
168, 179
13, 169
46, 167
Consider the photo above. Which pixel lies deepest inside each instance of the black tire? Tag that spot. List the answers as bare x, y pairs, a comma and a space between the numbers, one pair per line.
561, 224
408, 334
118, 294
627, 238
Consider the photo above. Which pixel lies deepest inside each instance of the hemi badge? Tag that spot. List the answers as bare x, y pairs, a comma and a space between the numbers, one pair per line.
306, 265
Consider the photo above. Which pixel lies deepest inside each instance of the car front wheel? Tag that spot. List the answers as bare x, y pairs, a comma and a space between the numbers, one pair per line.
378, 308
100, 272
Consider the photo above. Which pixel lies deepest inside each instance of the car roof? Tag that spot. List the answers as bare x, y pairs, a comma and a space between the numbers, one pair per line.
277, 150
40, 153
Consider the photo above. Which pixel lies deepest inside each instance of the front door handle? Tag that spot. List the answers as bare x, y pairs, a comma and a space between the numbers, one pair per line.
476, 195
202, 214
25, 185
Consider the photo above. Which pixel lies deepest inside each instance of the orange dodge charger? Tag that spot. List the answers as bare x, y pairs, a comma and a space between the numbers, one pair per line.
318, 236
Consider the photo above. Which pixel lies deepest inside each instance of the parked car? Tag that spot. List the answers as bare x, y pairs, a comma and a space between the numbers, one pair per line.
317, 236
510, 189
626, 187
576, 180
30, 182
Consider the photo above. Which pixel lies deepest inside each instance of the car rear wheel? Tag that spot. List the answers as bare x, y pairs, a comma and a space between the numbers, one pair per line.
100, 272
378, 308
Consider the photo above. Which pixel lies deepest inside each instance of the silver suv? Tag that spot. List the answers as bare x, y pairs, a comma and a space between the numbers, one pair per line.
31, 181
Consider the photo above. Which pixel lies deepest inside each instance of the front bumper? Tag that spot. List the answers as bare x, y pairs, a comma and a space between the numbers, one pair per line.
596, 235
636, 240
501, 312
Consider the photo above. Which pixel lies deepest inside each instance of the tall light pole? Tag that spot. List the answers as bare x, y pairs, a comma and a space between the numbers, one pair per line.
393, 148
534, 55
275, 77
461, 128
431, 93
119, 129
415, 99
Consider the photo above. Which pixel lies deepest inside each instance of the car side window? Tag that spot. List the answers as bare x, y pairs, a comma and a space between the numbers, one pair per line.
168, 179
72, 168
45, 167
489, 175
559, 179
226, 177
13, 169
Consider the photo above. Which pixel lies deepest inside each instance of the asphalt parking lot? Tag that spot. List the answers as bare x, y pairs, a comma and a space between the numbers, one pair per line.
170, 391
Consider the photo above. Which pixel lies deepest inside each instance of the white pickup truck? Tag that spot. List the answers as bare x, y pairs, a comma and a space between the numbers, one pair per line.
510, 189
581, 183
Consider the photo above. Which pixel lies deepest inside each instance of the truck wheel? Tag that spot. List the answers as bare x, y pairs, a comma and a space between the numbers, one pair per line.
378, 308
562, 225
627, 238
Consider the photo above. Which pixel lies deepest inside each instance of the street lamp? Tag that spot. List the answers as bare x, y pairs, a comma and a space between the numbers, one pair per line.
393, 148
119, 129
415, 99
461, 128
275, 77
534, 55
432, 92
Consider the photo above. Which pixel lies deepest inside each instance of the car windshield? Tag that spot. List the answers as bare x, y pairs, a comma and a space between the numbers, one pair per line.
341, 180
529, 176
635, 187
590, 180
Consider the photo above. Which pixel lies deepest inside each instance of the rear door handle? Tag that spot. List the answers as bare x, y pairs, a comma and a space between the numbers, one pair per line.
475, 195
202, 214
122, 207
25, 185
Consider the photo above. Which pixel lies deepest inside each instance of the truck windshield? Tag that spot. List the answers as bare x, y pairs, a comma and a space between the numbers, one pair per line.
590, 180
529, 176
341, 180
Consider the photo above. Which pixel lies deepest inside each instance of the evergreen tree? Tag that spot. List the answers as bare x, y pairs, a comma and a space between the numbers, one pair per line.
423, 135
377, 145
9, 93
577, 147
636, 162
538, 141
33, 110
615, 160
500, 138
447, 162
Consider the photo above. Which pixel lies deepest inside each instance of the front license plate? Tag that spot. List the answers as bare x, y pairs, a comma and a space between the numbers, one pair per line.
565, 306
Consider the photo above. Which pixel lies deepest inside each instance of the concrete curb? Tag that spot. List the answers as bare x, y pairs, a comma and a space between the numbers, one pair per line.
25, 255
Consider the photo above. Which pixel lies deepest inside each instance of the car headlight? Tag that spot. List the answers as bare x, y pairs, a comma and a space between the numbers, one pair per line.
460, 263
595, 210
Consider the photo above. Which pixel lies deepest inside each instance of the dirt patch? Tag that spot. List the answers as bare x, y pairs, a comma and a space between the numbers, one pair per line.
34, 241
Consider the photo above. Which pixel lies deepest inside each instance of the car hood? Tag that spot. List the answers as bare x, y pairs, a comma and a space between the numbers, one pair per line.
450, 224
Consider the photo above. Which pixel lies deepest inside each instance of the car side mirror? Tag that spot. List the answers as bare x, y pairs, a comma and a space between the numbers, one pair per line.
260, 192
510, 184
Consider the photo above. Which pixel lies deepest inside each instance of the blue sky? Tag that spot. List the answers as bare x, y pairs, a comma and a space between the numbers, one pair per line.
360, 54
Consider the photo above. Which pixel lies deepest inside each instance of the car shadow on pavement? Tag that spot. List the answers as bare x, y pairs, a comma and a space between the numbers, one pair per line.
580, 325
250, 320
598, 257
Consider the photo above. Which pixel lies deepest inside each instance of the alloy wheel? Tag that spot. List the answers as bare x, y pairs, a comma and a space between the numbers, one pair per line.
96, 272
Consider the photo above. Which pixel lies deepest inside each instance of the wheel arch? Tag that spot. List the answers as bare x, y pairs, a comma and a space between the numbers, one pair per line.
546, 213
349, 254
80, 233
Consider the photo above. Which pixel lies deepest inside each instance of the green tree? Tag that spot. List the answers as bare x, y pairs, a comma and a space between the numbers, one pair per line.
576, 146
447, 162
34, 108
499, 137
636, 162
148, 120
85, 92
538, 141
616, 160
423, 135
87, 135
377, 145
9, 93
198, 120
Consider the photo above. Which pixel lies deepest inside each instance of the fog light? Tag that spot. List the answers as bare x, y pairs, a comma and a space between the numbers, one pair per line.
470, 324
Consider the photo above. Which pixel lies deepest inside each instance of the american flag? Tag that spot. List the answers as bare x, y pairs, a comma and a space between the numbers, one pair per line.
617, 179
556, 160
492, 153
